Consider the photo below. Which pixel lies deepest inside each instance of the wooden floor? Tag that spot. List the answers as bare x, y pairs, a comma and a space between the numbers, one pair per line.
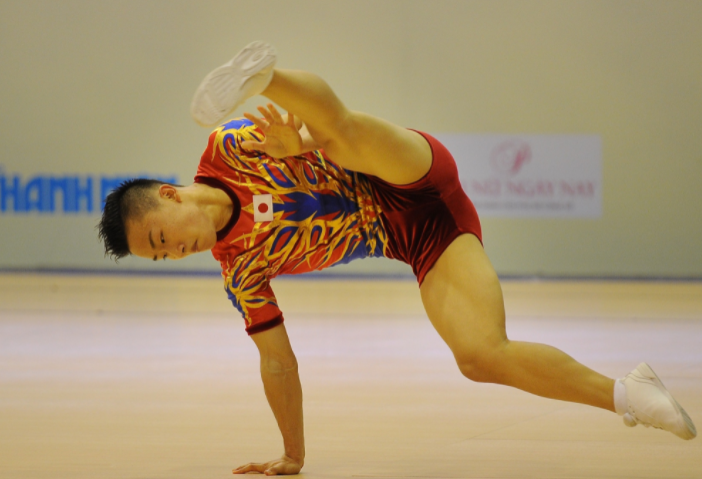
149, 377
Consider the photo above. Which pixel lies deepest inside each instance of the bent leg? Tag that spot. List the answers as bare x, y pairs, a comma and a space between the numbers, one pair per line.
463, 298
354, 140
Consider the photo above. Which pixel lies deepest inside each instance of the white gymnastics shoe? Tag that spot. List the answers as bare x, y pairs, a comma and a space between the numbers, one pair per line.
649, 403
227, 87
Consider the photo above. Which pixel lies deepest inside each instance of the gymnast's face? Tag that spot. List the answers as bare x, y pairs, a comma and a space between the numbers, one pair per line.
176, 228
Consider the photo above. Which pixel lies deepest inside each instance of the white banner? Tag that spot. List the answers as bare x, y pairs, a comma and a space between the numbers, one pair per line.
518, 176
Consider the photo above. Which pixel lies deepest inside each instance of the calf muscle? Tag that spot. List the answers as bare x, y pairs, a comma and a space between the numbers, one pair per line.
463, 299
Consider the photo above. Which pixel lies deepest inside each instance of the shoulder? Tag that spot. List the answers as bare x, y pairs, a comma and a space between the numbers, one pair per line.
224, 151
229, 135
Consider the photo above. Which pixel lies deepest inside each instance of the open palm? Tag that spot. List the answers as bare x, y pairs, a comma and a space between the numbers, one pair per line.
282, 137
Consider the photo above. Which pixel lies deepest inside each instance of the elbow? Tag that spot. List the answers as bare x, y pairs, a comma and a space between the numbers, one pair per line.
279, 364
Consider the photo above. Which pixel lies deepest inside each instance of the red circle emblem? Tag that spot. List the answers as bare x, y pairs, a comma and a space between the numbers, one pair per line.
262, 208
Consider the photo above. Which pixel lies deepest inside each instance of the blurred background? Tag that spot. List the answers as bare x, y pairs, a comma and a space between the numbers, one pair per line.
131, 376
93, 92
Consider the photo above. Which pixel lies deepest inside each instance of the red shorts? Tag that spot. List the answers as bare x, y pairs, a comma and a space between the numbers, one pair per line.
421, 219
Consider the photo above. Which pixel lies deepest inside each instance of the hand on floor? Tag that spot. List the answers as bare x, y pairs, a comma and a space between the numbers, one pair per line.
282, 466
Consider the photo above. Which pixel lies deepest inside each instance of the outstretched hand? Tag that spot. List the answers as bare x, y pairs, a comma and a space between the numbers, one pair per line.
282, 137
282, 466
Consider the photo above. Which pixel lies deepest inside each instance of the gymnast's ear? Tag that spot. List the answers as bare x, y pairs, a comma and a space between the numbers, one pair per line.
169, 192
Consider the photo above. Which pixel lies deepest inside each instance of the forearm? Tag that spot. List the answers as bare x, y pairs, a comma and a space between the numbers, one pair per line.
284, 394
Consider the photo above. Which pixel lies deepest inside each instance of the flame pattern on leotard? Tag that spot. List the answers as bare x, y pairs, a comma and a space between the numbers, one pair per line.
323, 215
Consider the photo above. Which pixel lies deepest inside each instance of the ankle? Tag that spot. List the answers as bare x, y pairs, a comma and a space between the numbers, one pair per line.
621, 404
273, 84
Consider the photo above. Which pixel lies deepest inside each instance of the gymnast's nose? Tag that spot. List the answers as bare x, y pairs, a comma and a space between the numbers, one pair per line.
177, 251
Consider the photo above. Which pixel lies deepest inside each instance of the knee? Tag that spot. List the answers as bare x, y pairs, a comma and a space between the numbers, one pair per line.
482, 364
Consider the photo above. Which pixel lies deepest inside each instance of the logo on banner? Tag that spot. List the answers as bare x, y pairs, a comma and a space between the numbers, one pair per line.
510, 156
263, 208
547, 176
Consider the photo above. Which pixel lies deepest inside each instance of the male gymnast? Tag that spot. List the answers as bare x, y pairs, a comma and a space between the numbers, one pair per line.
323, 185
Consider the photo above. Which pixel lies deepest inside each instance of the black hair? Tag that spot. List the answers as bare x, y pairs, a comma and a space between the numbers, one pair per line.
131, 199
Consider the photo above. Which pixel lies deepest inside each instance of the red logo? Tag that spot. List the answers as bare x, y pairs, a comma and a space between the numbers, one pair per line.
510, 156
263, 207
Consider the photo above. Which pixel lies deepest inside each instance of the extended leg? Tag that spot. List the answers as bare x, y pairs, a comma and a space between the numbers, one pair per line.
461, 293
355, 140
463, 299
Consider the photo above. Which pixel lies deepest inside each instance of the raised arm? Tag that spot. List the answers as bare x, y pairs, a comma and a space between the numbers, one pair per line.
284, 393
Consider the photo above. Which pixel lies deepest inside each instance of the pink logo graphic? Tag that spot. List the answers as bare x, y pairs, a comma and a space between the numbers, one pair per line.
510, 156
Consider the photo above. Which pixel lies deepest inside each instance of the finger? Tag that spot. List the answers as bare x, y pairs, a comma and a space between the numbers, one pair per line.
267, 115
252, 466
252, 145
275, 113
291, 120
249, 468
259, 122
241, 469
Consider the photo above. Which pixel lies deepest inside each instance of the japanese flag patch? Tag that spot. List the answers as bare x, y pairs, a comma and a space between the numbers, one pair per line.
263, 208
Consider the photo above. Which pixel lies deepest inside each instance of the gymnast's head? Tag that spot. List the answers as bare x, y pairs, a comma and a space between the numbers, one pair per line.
154, 220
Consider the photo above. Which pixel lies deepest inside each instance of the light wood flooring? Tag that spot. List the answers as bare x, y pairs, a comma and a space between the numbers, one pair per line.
154, 377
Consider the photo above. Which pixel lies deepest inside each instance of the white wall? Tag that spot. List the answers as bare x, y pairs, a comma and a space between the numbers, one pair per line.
103, 88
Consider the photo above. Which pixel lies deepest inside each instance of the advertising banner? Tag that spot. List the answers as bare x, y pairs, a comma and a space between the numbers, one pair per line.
523, 176
48, 218
62, 193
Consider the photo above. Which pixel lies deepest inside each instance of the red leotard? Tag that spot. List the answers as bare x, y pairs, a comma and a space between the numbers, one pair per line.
322, 215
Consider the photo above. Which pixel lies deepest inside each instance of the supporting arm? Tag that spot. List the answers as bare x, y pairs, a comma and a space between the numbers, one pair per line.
281, 383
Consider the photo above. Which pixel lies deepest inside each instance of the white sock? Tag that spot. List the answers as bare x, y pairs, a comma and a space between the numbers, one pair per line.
621, 405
